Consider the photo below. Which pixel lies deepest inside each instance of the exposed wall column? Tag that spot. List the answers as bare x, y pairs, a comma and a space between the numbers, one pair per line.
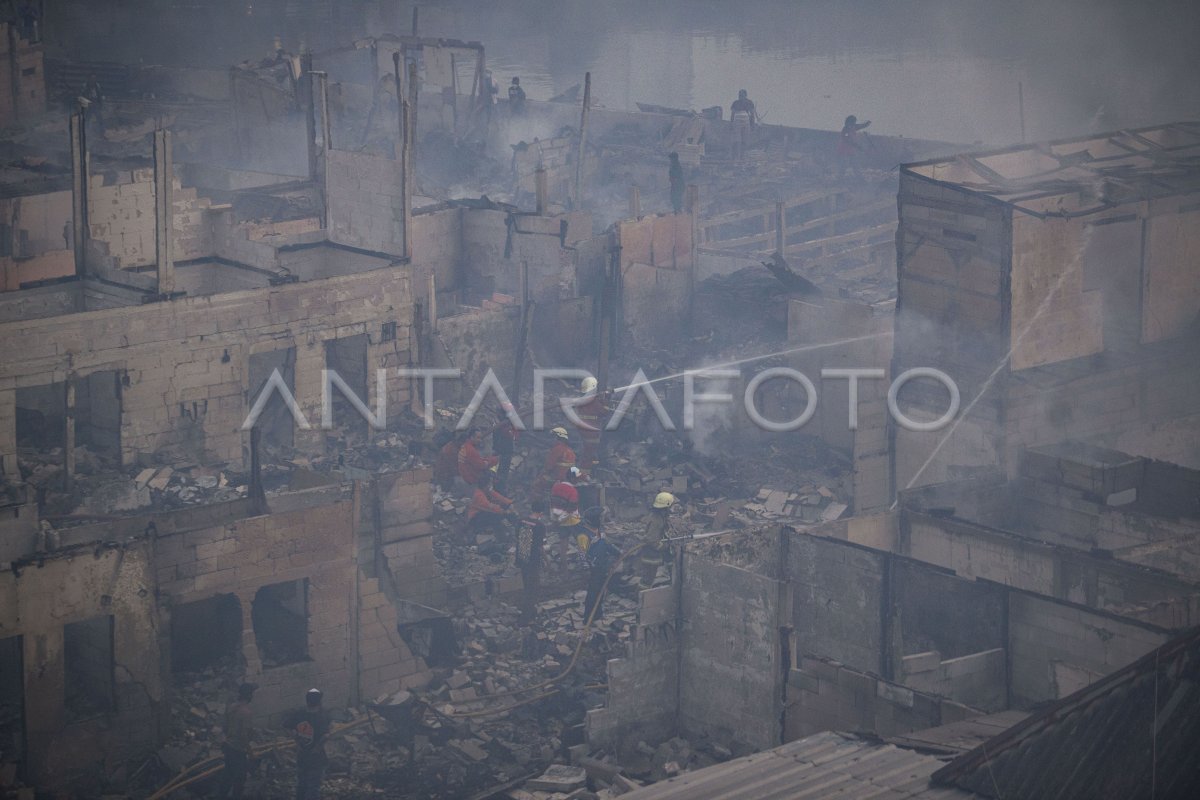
79, 191
164, 234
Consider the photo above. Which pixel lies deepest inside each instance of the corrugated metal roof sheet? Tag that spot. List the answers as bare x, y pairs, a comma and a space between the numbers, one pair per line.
1079, 176
1132, 734
821, 766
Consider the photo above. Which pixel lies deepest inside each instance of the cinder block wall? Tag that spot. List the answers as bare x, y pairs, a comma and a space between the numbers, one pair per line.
824, 695
643, 685
406, 535
731, 670
1056, 649
241, 557
185, 363
37, 604
365, 197
977, 278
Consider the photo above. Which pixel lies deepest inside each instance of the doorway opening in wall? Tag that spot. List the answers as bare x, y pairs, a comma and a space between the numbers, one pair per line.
275, 424
280, 617
206, 633
347, 357
89, 668
42, 431
98, 414
12, 706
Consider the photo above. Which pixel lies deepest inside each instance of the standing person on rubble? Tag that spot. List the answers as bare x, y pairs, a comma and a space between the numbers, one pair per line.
849, 148
93, 104
239, 727
516, 97
472, 464
487, 97
654, 549
559, 461
744, 118
601, 555
531, 539
310, 728
675, 176
504, 445
592, 414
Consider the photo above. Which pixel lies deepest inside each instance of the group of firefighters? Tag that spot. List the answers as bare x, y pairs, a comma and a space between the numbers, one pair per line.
554, 500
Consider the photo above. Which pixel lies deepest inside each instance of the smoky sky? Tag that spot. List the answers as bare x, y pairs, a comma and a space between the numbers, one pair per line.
936, 69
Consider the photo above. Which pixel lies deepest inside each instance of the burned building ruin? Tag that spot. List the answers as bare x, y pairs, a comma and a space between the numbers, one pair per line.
289, 336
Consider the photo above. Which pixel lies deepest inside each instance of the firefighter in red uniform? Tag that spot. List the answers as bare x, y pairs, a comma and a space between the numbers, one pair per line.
564, 497
592, 415
559, 460
471, 463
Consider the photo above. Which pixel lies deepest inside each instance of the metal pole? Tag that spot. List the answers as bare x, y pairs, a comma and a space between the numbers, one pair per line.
583, 121
539, 187
779, 238
1021, 105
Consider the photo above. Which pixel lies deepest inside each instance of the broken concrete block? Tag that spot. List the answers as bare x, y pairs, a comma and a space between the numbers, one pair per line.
833, 511
559, 778
472, 748
463, 695
894, 694
144, 477
458, 680
161, 479
775, 502
1121, 498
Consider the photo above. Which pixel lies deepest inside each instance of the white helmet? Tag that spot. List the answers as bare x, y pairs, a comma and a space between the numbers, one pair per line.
588, 385
560, 432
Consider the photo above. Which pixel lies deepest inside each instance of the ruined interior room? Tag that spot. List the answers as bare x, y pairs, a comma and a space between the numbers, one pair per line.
447, 400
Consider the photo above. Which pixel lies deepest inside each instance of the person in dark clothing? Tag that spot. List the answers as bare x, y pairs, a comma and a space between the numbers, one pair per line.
602, 555
27, 14
310, 728
675, 175
530, 540
744, 105
488, 95
848, 144
239, 726
744, 118
516, 97
504, 444
94, 113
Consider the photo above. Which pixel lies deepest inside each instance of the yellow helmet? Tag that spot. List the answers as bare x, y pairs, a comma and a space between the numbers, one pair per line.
559, 432
664, 500
589, 384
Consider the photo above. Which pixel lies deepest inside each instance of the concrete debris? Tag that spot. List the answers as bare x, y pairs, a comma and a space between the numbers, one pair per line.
559, 778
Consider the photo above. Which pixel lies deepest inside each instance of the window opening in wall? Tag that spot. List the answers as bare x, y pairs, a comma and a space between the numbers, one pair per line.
41, 419
275, 423
348, 358
98, 413
206, 633
89, 668
280, 617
